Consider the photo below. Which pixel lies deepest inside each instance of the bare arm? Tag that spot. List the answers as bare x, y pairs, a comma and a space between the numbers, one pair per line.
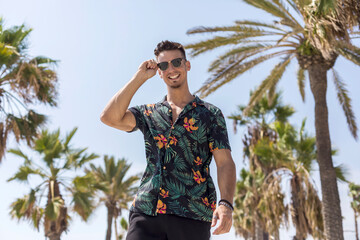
226, 173
116, 113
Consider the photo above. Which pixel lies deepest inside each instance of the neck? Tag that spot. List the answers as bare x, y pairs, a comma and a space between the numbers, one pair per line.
179, 97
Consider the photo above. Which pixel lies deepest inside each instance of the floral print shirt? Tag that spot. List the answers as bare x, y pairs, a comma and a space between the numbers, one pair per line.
177, 178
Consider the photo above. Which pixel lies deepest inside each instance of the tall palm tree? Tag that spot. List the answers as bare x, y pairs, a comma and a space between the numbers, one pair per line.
115, 191
316, 43
258, 212
54, 165
267, 205
24, 81
293, 153
355, 204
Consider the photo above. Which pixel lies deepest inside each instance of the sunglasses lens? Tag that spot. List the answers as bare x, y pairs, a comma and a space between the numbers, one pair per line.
163, 66
176, 62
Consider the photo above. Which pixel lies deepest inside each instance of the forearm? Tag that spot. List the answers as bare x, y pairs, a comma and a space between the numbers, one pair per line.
227, 180
119, 103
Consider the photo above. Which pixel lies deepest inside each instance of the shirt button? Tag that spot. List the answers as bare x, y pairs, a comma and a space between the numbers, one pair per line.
169, 110
172, 127
164, 167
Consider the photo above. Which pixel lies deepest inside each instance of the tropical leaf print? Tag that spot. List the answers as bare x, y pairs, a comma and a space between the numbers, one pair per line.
179, 164
176, 189
184, 177
197, 191
200, 210
177, 208
178, 155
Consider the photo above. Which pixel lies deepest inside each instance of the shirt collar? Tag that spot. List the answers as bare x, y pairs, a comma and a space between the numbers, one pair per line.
193, 103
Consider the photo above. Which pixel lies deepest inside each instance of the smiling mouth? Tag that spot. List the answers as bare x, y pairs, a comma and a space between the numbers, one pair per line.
174, 77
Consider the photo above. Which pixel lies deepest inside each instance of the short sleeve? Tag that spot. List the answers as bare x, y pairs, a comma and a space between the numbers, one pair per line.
218, 136
138, 112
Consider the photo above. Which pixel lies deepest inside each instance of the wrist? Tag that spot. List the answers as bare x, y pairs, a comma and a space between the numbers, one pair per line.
226, 203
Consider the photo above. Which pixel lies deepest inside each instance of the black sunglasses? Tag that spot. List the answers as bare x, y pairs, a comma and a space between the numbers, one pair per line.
175, 62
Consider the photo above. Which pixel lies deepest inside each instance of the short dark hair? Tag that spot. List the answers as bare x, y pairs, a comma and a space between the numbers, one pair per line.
167, 46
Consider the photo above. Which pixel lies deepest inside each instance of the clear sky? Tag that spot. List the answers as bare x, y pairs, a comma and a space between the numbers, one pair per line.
100, 45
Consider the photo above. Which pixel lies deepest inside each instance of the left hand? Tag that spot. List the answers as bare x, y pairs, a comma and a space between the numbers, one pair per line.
224, 216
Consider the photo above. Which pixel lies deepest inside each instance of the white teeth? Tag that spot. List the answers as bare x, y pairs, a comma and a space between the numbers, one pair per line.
173, 77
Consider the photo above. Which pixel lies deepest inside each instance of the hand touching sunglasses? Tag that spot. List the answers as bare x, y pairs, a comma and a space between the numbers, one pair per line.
175, 62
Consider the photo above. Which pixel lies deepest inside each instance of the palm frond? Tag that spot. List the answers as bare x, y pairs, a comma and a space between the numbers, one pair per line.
301, 82
341, 173
327, 5
345, 102
69, 136
235, 28
25, 127
260, 24
218, 41
289, 18
269, 82
277, 9
19, 153
230, 72
351, 53
240, 52
83, 203
24, 172
293, 5
53, 207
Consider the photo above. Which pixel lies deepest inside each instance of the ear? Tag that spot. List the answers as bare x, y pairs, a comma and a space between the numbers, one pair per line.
159, 72
188, 65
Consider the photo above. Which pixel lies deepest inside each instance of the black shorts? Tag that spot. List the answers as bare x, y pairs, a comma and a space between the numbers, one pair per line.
166, 227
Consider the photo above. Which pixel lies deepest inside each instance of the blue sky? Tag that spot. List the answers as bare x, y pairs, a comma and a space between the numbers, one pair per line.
100, 45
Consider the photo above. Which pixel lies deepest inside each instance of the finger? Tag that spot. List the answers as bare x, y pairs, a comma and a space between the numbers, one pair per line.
151, 64
219, 229
214, 220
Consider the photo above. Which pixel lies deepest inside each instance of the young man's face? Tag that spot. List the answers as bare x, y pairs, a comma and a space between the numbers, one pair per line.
174, 77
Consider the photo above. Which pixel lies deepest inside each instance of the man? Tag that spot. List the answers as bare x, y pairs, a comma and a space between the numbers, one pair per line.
176, 199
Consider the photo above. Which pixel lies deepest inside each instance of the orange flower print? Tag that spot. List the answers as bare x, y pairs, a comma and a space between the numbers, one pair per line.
161, 141
150, 105
163, 193
161, 207
173, 140
207, 170
133, 203
197, 177
194, 104
211, 147
147, 112
213, 206
188, 125
205, 201
198, 161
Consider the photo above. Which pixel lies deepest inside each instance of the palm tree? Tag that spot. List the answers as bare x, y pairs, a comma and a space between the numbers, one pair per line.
258, 212
355, 204
294, 153
45, 202
273, 146
115, 191
267, 210
316, 44
23, 81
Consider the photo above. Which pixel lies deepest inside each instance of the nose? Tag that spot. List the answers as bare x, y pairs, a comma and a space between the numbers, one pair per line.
170, 67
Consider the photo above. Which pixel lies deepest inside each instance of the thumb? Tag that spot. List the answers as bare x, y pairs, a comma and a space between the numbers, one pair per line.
214, 220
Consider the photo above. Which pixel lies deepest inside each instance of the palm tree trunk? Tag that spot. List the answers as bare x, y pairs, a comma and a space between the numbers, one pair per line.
259, 232
297, 211
330, 194
54, 228
110, 214
55, 237
116, 230
356, 226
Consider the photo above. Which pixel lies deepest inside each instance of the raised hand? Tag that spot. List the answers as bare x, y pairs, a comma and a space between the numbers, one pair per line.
147, 69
